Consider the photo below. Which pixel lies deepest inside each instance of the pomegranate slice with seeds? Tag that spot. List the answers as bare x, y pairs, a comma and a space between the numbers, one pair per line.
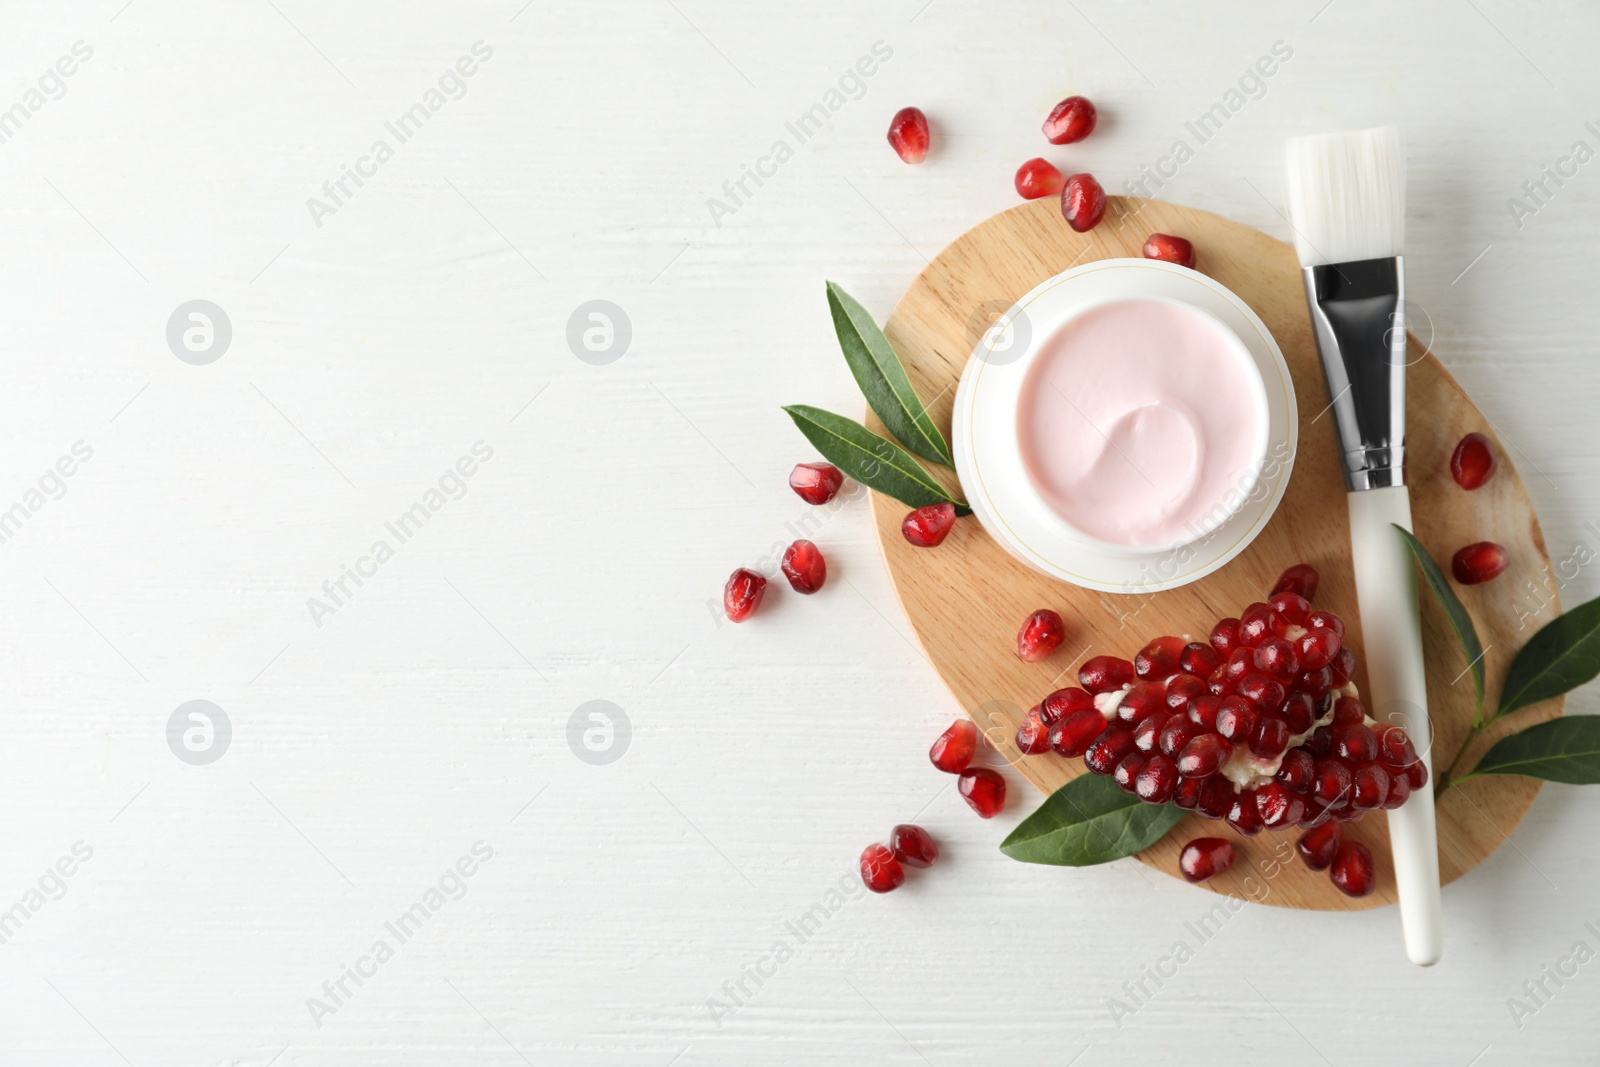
1071, 120
880, 871
1479, 562
1473, 462
1205, 857
742, 594
1352, 871
1040, 635
1169, 249
804, 566
954, 749
1083, 202
913, 846
908, 134
816, 483
1038, 178
927, 527
983, 790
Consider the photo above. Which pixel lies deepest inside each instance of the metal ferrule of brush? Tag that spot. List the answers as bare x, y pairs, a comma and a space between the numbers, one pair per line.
1358, 313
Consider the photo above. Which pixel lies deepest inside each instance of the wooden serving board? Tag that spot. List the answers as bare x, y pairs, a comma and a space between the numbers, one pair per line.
967, 599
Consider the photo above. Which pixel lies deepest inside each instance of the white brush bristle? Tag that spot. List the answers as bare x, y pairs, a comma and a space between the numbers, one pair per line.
1347, 195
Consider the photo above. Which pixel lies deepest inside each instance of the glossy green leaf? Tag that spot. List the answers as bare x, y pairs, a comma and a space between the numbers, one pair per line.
874, 461
1089, 821
1563, 655
1561, 750
883, 378
1460, 621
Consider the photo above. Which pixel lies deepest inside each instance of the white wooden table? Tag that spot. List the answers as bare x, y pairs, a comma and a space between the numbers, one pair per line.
632, 911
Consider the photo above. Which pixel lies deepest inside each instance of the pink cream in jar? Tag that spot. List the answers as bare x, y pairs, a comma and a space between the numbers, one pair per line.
1142, 423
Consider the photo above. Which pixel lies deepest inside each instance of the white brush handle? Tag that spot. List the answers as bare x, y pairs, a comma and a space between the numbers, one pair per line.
1386, 586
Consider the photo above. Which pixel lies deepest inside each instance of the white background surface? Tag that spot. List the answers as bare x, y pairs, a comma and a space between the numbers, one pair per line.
368, 354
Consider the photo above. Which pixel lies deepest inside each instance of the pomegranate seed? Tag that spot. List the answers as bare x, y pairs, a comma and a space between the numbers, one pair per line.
1316, 648
1347, 711
913, 846
928, 527
954, 749
1298, 712
1033, 736
1126, 772
1270, 739
1243, 815
1147, 732
1301, 579
1073, 735
1198, 659
1176, 732
1265, 692
804, 566
1297, 770
1473, 462
1158, 659
1352, 869
1399, 790
1325, 620
1205, 857
1107, 750
1343, 666
1395, 749
1157, 779
1183, 690
742, 595
1083, 202
1041, 634
1070, 121
1277, 657
1187, 795
1203, 756
1291, 605
1316, 815
1320, 742
1259, 621
1355, 743
1479, 562
1146, 698
1225, 636
1063, 702
1332, 783
1038, 178
1218, 684
1241, 661
1370, 788
908, 134
1236, 719
816, 483
1105, 674
880, 870
1216, 797
1278, 806
1318, 847
1169, 249
983, 790
1416, 775
1203, 710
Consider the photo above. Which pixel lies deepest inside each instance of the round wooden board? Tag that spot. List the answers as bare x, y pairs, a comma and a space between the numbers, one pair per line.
966, 599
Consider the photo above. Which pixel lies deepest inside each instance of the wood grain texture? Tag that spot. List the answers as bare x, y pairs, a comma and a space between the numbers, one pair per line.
966, 600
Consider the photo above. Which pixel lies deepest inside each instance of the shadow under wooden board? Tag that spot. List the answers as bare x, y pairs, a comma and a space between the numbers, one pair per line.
967, 598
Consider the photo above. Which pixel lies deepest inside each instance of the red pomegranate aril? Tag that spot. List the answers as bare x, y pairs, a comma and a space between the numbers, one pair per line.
1395, 749
1203, 756
1473, 462
1277, 657
1264, 691
1187, 794
1107, 750
1218, 684
1157, 780
1073, 735
1236, 719
1297, 770
1205, 857
1182, 691
1347, 711
1331, 784
1216, 797
804, 566
1325, 620
1260, 621
1416, 775
1278, 806
880, 871
1316, 815
1104, 674
1243, 815
1301, 579
913, 846
1241, 661
1479, 562
1169, 249
1070, 121
1038, 178
1158, 659
1399, 791
1033, 736
954, 749
908, 134
1127, 771
1352, 871
983, 790
1317, 683
1198, 659
1203, 710
742, 594
1146, 698
1083, 202
1147, 732
1064, 702
1040, 635
1270, 738
1291, 605
1298, 712
1355, 744
1318, 847
1316, 648
1178, 731
816, 483
1343, 666
1369, 788
1225, 636
927, 527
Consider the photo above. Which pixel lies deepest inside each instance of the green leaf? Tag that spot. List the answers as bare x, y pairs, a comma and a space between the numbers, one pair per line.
1088, 821
1460, 621
1563, 655
883, 379
1561, 750
874, 461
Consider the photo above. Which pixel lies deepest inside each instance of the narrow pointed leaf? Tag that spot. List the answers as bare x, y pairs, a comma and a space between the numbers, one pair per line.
1089, 821
883, 378
874, 461
1563, 655
1460, 621
1561, 750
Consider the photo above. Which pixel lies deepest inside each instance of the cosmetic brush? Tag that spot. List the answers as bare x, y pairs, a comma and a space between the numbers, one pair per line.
1347, 206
